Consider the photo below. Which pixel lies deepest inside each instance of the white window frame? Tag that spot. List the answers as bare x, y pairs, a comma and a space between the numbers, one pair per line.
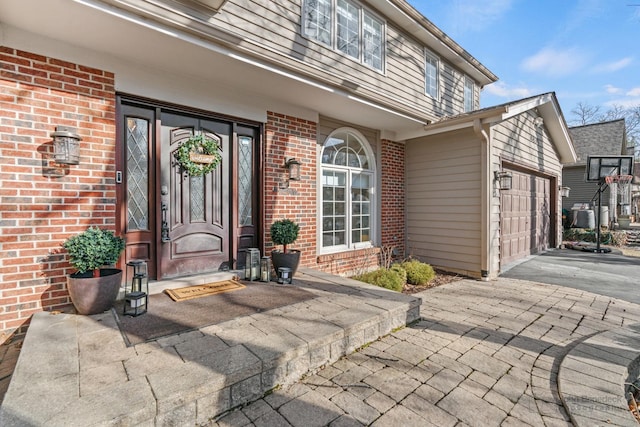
469, 94
350, 173
364, 56
429, 58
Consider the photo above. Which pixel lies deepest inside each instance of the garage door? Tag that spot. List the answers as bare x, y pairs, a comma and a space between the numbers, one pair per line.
524, 217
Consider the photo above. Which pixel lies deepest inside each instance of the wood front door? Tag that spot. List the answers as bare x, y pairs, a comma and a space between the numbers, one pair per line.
195, 209
184, 225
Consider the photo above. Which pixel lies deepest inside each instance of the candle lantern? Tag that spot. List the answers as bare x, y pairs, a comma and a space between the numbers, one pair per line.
252, 264
136, 288
265, 269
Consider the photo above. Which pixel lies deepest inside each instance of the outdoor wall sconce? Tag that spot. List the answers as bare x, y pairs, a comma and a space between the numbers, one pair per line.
293, 172
66, 145
504, 180
293, 166
564, 191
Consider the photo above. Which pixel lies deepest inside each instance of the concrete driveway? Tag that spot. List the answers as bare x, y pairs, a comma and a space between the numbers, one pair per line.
611, 274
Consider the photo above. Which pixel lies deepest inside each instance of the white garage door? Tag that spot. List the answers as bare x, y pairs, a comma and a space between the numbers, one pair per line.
525, 217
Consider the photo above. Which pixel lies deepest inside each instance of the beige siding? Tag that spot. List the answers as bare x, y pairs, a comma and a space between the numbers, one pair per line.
581, 190
443, 201
272, 29
519, 142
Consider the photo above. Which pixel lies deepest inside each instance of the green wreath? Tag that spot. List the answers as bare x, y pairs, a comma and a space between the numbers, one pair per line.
198, 144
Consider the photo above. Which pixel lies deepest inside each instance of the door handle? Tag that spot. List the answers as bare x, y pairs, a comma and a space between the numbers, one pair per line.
164, 206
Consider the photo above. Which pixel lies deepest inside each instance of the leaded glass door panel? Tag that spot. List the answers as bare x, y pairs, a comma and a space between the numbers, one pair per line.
197, 208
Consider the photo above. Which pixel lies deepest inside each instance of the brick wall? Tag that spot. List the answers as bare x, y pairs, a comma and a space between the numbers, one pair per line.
292, 137
393, 195
286, 137
42, 202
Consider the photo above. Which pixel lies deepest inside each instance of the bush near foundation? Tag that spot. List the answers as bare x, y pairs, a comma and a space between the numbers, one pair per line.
418, 273
411, 272
383, 277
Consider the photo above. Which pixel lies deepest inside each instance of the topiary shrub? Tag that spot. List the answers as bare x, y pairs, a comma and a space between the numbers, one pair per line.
418, 273
383, 277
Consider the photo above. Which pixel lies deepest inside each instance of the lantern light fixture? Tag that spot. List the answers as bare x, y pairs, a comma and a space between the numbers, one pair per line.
293, 167
564, 191
504, 179
66, 145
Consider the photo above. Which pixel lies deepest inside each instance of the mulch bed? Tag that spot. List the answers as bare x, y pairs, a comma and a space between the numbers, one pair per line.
442, 278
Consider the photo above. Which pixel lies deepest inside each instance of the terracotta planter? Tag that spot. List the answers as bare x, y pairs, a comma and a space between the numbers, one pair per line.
93, 295
290, 259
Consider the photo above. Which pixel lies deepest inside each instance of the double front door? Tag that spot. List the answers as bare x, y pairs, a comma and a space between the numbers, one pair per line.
181, 224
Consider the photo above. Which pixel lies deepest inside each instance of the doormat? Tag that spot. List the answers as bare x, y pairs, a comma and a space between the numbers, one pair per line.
197, 291
165, 317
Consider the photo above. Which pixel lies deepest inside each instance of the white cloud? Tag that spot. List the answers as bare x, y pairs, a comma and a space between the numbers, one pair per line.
554, 62
634, 92
624, 102
503, 90
612, 89
471, 15
613, 66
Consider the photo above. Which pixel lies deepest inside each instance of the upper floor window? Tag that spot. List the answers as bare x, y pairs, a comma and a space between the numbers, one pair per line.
432, 75
347, 27
347, 188
468, 94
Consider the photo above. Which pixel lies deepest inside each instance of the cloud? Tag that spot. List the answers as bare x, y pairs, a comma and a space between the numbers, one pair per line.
613, 66
503, 90
471, 15
624, 102
554, 62
634, 92
612, 89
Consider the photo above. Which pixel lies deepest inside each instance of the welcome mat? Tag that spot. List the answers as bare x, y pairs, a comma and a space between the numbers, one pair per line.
165, 317
197, 291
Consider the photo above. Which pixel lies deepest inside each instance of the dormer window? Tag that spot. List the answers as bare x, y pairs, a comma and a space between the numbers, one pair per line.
346, 27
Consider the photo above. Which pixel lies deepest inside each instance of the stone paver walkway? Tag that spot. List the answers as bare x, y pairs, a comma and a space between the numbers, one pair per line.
484, 354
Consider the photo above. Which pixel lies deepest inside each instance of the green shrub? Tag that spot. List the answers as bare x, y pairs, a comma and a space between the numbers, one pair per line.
93, 248
383, 277
418, 273
401, 272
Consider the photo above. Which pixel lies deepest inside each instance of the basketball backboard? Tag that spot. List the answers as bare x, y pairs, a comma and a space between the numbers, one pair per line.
599, 167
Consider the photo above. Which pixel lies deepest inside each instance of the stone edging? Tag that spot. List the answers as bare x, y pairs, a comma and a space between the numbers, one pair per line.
592, 376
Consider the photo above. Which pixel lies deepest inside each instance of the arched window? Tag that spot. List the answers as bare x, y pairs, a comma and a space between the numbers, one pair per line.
348, 179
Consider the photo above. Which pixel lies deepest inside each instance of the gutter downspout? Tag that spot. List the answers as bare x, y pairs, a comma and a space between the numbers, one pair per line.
486, 253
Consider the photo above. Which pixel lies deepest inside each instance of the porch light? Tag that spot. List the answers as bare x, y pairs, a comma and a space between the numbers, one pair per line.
564, 191
293, 166
504, 179
66, 145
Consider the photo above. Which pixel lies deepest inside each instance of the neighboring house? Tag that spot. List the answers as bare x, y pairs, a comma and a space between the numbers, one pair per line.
597, 139
376, 103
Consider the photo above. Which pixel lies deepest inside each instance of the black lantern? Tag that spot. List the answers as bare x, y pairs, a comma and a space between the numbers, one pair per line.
265, 269
66, 145
252, 264
136, 288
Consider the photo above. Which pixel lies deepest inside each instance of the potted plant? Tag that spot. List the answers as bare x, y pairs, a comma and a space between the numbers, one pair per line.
284, 232
95, 286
